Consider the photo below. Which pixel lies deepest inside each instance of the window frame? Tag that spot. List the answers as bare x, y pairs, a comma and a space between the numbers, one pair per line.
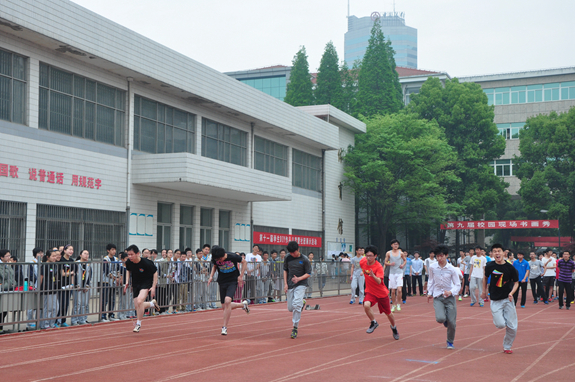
23, 81
269, 156
306, 170
224, 148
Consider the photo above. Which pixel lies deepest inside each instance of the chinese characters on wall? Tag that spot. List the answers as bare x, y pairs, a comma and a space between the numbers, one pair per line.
46, 176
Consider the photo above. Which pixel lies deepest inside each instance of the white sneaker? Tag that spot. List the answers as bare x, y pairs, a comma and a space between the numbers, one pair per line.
224, 331
246, 307
137, 328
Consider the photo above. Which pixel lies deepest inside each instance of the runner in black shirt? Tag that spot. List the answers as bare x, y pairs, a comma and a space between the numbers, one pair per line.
144, 276
504, 283
229, 276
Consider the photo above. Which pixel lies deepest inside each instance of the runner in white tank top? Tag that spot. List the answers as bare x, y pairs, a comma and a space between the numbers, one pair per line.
395, 260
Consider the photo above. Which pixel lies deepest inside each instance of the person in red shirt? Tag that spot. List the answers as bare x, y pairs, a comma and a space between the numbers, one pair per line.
375, 290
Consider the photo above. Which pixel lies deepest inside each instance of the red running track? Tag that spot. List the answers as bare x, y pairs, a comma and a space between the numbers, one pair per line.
332, 345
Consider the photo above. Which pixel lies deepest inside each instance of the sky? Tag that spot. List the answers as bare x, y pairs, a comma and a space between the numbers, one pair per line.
460, 37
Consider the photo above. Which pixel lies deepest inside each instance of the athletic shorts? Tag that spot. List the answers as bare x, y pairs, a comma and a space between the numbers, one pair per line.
426, 278
227, 290
395, 280
549, 281
137, 288
383, 303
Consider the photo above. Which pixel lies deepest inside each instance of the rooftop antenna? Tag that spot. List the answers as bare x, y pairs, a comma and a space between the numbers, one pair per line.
394, 7
348, 9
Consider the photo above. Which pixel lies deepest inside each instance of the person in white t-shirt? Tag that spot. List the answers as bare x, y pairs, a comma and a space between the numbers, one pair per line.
254, 262
549, 265
427, 263
478, 263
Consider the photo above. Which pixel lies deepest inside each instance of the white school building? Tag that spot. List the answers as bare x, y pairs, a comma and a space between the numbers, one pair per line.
108, 136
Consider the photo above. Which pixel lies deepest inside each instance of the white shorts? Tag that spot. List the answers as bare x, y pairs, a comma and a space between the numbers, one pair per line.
395, 281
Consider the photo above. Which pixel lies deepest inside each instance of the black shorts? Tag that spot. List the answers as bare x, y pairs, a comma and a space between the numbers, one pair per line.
549, 281
137, 288
227, 290
426, 278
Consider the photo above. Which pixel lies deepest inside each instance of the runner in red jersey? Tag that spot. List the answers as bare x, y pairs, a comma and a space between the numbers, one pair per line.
375, 291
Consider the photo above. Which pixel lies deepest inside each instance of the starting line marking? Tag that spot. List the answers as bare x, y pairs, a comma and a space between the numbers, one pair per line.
420, 360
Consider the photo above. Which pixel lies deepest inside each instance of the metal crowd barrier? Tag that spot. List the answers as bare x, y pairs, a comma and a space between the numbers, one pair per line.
49, 295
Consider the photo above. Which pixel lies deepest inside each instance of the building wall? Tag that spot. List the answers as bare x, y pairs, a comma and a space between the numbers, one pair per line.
520, 112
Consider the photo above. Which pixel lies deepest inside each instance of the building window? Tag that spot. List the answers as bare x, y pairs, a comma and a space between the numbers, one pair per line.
159, 128
267, 229
306, 172
206, 219
13, 228
74, 105
317, 251
270, 156
559, 91
510, 130
83, 228
164, 226
12, 87
502, 167
186, 226
274, 86
224, 143
225, 224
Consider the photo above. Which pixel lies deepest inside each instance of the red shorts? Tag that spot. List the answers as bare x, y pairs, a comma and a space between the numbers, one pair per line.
383, 303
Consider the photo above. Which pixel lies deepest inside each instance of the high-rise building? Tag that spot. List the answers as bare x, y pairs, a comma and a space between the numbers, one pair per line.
403, 38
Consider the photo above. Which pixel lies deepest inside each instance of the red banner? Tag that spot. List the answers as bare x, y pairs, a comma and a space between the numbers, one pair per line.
501, 224
283, 239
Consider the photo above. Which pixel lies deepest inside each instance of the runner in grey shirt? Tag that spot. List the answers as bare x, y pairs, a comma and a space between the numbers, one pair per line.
297, 270
535, 267
357, 279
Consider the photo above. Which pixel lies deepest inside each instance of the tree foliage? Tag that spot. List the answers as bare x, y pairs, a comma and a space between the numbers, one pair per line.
299, 89
378, 88
328, 88
349, 87
547, 166
461, 110
397, 169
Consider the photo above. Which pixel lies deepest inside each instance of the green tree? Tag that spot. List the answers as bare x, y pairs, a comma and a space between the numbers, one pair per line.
328, 88
299, 90
349, 87
396, 171
547, 167
378, 88
461, 110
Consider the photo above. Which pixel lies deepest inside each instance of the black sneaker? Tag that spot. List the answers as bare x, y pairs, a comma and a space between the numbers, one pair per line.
294, 333
395, 333
372, 327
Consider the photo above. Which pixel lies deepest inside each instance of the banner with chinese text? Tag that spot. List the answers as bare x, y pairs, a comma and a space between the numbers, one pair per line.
501, 224
283, 239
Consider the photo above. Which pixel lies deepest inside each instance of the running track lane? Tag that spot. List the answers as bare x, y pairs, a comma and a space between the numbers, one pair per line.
332, 345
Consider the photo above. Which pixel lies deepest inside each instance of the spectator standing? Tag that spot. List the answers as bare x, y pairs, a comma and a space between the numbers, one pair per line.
311, 278
535, 267
276, 267
522, 267
7, 279
406, 290
254, 259
109, 280
566, 268
67, 271
182, 273
33, 282
476, 278
426, 264
83, 284
416, 271
201, 278
266, 276
212, 290
321, 272
125, 300
549, 274
49, 285
357, 279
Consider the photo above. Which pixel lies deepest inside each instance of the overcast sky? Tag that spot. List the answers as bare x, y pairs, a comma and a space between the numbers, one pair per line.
461, 37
